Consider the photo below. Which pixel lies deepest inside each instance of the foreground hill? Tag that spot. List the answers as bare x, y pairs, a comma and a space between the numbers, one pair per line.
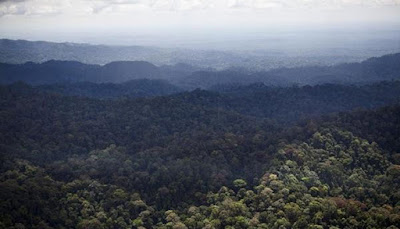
162, 137
175, 162
332, 180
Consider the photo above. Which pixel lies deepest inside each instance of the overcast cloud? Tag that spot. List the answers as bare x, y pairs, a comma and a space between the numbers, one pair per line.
74, 19
38, 7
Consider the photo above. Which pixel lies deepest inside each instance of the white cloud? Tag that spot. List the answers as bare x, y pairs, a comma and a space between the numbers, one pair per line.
34, 7
100, 18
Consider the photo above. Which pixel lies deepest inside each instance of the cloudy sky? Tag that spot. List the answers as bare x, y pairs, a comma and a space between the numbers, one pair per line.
119, 21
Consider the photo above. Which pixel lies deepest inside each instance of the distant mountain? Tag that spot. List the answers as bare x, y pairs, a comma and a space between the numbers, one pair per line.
130, 89
21, 51
369, 71
121, 71
208, 79
48, 72
71, 71
188, 77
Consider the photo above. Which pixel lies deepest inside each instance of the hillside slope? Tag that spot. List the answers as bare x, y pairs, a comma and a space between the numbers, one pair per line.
88, 163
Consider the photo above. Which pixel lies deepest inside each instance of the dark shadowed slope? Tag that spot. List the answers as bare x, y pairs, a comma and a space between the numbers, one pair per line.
131, 89
283, 104
70, 71
294, 103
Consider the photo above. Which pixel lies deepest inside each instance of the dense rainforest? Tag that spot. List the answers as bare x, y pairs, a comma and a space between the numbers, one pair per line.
130, 144
86, 155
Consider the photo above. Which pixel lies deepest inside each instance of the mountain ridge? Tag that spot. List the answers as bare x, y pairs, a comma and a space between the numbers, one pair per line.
21, 51
185, 76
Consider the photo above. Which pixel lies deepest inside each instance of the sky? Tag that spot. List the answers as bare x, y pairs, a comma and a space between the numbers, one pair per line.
185, 22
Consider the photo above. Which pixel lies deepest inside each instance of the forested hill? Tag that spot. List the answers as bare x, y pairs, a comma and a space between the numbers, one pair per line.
189, 77
371, 70
283, 104
288, 104
129, 89
163, 139
176, 162
368, 71
56, 71
70, 71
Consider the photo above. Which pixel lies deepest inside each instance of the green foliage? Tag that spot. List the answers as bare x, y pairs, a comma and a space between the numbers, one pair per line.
167, 163
239, 183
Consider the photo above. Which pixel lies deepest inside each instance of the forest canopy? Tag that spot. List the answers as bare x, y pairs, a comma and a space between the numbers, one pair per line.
234, 157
